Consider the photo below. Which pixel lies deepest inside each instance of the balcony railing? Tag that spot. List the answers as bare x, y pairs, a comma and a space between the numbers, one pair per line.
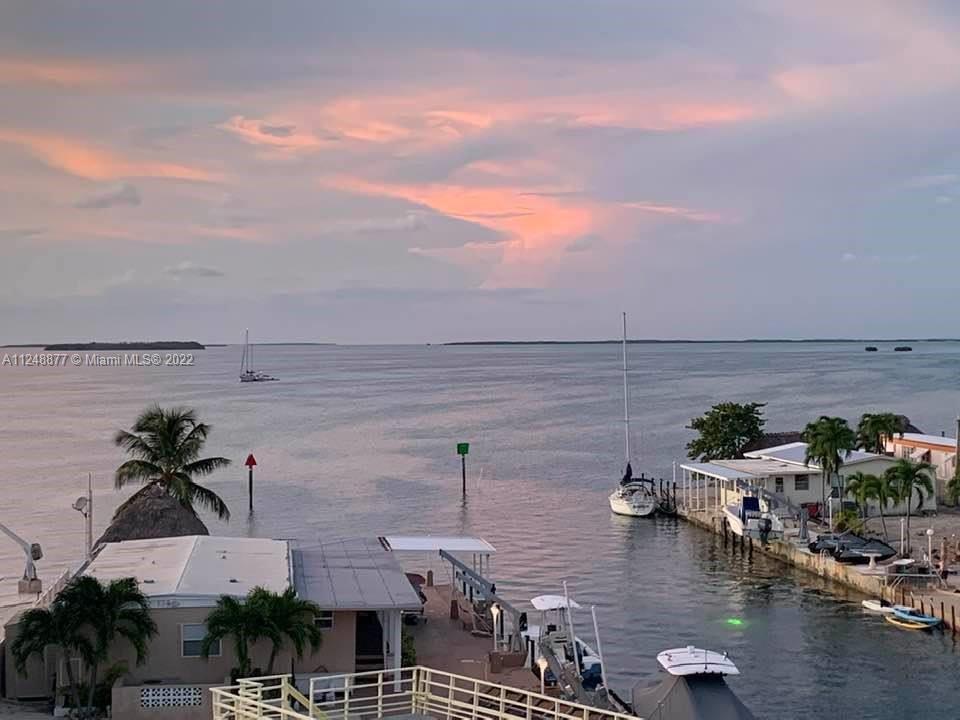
414, 691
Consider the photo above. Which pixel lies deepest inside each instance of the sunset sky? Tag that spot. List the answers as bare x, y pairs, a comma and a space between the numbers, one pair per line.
436, 170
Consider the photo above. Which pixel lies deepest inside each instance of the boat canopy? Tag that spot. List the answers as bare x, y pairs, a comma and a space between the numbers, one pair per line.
553, 602
690, 697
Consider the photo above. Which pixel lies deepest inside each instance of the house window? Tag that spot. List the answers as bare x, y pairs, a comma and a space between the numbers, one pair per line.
801, 482
778, 485
191, 637
324, 620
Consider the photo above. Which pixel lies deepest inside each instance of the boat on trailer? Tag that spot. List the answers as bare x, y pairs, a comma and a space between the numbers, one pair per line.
634, 497
746, 519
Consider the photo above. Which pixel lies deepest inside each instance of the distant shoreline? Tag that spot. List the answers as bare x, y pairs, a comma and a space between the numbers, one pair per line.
644, 341
158, 345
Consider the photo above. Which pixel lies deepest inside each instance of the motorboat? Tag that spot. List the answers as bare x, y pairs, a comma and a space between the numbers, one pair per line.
694, 689
551, 640
747, 519
634, 497
851, 549
247, 373
912, 615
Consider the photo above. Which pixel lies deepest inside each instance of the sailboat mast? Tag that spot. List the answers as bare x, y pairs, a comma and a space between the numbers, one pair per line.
249, 352
243, 355
626, 393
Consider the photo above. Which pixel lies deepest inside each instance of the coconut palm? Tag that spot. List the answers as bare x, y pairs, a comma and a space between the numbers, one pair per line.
874, 429
84, 620
286, 618
237, 618
165, 446
882, 492
862, 487
829, 442
906, 476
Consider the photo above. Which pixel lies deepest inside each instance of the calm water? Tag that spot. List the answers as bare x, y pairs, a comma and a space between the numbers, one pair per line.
360, 440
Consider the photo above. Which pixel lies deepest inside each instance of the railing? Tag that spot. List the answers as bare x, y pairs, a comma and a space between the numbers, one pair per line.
389, 693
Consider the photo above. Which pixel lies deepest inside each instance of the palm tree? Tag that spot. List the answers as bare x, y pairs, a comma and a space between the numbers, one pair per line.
882, 492
286, 618
829, 442
906, 476
165, 446
235, 617
874, 429
862, 487
84, 620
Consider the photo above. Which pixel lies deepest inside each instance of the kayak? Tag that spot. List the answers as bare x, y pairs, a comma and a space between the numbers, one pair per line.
877, 606
906, 624
914, 616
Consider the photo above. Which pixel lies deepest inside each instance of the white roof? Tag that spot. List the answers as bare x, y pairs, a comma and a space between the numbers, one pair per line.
553, 602
762, 467
794, 453
714, 469
436, 543
195, 570
948, 443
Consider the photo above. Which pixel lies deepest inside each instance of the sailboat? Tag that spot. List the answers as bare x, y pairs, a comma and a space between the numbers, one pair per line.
632, 496
247, 373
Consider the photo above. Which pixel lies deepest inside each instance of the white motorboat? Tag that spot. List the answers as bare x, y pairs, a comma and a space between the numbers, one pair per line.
694, 688
633, 497
551, 638
746, 519
247, 373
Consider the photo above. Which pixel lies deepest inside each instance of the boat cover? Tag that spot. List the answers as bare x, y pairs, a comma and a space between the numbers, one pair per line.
690, 697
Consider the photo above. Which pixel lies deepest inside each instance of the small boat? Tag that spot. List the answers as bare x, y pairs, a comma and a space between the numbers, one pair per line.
694, 689
906, 624
746, 519
877, 606
633, 497
911, 615
551, 638
903, 348
247, 373
871, 348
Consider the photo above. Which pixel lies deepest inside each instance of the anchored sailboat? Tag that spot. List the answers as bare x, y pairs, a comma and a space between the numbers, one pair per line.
247, 373
632, 496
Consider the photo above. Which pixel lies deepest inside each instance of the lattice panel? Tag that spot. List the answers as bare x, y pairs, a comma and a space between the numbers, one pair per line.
171, 696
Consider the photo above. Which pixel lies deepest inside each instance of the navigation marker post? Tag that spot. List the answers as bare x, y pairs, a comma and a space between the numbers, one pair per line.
462, 450
250, 462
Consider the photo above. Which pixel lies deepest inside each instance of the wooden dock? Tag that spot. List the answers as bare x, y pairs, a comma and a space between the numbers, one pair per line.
941, 603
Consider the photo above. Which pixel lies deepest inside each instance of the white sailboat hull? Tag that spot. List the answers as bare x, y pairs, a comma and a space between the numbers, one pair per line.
634, 503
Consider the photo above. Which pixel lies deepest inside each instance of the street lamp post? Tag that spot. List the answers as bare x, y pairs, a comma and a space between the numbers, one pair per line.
495, 611
542, 664
930, 546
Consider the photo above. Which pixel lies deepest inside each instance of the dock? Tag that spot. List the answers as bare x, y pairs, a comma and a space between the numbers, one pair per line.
929, 594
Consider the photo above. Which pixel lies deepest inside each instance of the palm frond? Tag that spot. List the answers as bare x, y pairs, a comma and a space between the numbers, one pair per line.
205, 466
140, 471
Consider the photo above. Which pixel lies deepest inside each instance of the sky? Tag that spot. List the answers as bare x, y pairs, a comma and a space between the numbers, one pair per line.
428, 171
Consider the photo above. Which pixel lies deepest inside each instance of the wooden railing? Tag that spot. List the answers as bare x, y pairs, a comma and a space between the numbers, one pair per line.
389, 693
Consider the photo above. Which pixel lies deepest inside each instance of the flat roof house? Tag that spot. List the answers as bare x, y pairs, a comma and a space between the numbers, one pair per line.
358, 584
779, 470
938, 450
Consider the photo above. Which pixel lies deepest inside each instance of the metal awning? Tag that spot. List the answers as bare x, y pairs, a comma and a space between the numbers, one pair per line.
436, 543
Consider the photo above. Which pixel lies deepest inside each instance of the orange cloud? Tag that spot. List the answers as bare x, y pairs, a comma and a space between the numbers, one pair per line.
675, 212
73, 73
86, 161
